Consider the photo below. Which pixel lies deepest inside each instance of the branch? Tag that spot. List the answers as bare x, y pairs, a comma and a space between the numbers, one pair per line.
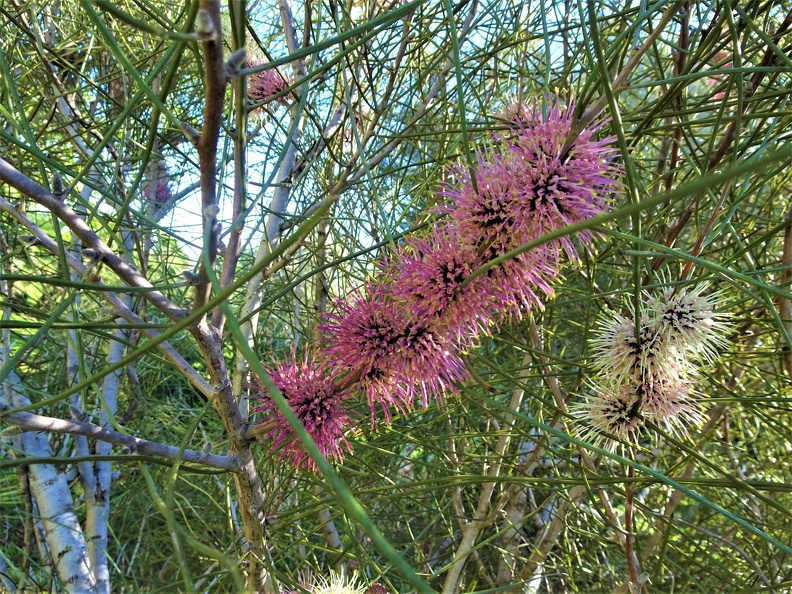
129, 274
620, 82
33, 422
118, 305
215, 79
248, 484
50, 490
784, 304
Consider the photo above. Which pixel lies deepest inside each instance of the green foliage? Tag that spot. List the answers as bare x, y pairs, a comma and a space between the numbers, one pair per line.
97, 93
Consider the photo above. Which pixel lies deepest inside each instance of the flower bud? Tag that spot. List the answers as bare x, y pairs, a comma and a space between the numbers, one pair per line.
190, 277
57, 186
204, 26
235, 62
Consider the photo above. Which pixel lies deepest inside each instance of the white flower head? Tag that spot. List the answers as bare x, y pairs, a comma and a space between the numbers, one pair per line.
688, 320
620, 352
667, 402
337, 583
614, 411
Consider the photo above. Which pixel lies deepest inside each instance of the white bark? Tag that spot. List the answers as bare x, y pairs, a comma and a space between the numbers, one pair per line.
63, 533
98, 510
50, 491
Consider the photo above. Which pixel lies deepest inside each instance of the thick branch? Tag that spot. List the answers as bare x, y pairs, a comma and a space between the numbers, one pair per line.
34, 422
215, 79
209, 339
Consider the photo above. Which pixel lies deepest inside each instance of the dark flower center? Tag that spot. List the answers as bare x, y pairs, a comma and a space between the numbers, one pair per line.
316, 410
546, 191
491, 211
380, 334
453, 274
625, 411
680, 317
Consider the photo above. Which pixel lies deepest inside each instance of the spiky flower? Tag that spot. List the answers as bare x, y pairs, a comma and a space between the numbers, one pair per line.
363, 337
622, 353
613, 411
688, 320
265, 86
338, 583
559, 186
429, 276
654, 367
667, 402
315, 398
392, 357
158, 187
485, 213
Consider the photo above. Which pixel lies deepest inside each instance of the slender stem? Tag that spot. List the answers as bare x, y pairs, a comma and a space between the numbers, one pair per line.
629, 522
215, 80
33, 422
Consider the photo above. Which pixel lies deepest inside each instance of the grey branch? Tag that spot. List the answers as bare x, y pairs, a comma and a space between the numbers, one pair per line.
33, 422
130, 275
118, 305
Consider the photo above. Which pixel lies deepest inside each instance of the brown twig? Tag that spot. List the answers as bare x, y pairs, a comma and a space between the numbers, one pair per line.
234, 241
784, 304
215, 79
728, 139
620, 82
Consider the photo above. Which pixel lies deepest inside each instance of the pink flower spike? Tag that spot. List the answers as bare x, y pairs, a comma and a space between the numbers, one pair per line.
395, 358
158, 188
314, 396
362, 337
429, 276
264, 86
558, 187
488, 213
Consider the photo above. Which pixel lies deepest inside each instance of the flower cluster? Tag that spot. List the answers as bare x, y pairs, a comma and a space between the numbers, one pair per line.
399, 342
265, 86
647, 374
157, 189
339, 583
318, 403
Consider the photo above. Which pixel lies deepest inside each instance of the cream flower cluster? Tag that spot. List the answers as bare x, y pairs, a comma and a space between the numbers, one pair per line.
339, 583
648, 373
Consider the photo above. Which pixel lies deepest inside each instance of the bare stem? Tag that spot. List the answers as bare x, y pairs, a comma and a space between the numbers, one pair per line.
33, 422
215, 79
